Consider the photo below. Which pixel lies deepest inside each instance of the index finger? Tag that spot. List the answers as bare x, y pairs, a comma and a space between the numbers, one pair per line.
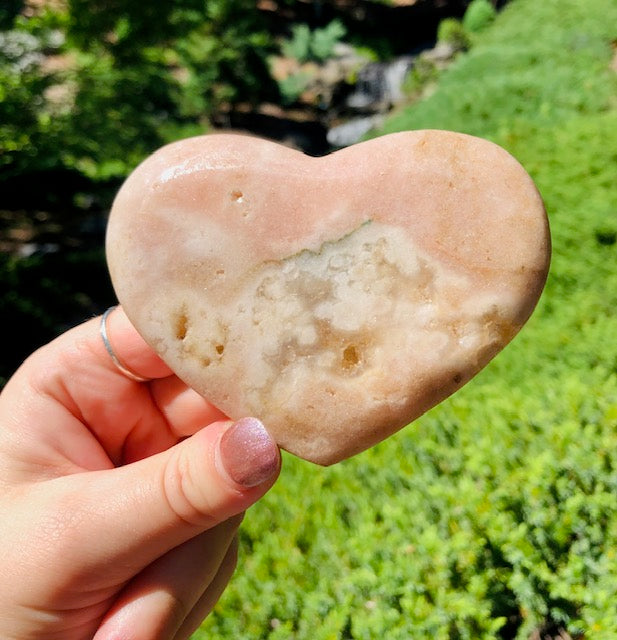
131, 350
185, 411
73, 383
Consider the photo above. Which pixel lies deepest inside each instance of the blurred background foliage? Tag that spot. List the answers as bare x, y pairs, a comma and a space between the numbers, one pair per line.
494, 517
88, 88
127, 77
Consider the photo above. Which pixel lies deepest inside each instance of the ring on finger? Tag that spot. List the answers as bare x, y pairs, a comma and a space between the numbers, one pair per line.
119, 365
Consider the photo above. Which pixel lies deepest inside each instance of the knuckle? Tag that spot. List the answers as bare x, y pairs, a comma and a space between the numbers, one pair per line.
185, 497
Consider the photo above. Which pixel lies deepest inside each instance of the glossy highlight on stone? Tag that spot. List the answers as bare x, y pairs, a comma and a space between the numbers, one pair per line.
338, 298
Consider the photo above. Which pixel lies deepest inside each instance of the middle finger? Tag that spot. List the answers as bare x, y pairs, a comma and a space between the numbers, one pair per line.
159, 599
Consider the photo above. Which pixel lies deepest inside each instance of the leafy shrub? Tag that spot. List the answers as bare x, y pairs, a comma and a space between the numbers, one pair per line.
133, 73
299, 45
451, 31
20, 51
131, 77
325, 39
292, 87
423, 73
479, 14
318, 45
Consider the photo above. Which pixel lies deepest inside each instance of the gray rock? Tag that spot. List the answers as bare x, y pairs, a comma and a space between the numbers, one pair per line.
379, 85
353, 131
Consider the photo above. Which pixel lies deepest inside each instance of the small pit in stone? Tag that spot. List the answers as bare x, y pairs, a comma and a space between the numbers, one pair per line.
237, 196
219, 349
182, 326
351, 357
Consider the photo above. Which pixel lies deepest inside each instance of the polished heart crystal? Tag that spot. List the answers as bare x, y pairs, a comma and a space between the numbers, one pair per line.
334, 298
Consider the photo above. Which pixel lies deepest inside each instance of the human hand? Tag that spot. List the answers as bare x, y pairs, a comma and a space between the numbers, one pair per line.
119, 509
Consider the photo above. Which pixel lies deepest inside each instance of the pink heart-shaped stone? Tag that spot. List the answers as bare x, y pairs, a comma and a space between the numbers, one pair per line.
335, 298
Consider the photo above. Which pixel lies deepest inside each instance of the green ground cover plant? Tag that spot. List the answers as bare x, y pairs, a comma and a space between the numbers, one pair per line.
479, 14
495, 516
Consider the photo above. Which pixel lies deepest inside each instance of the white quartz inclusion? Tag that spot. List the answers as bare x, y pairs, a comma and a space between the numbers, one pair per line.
367, 298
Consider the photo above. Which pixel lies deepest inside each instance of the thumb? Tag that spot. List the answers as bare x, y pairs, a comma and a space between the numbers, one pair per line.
138, 512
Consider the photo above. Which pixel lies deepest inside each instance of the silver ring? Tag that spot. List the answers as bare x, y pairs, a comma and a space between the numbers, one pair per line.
124, 370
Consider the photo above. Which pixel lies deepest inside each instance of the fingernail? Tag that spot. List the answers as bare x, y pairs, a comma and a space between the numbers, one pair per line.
248, 453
